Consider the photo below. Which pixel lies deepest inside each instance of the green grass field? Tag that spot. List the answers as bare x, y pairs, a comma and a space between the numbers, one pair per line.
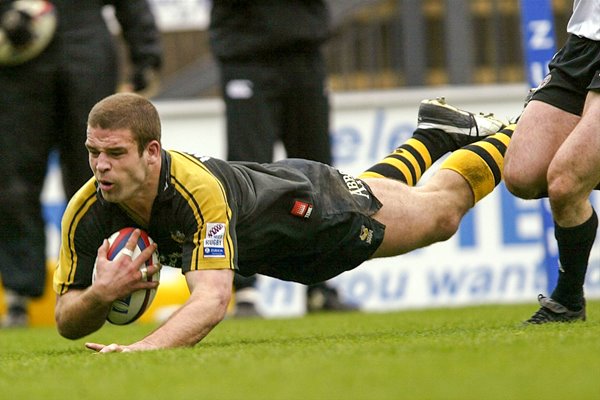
462, 353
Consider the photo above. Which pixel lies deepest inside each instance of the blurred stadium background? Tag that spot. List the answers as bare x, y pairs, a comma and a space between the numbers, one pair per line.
384, 56
376, 44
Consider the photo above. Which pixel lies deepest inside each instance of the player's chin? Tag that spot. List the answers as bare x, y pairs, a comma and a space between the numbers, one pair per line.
111, 195
108, 197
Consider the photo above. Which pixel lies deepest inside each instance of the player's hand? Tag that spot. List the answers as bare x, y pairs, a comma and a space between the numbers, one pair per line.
119, 348
118, 278
111, 348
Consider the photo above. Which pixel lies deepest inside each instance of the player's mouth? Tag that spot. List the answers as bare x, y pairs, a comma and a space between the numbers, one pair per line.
105, 185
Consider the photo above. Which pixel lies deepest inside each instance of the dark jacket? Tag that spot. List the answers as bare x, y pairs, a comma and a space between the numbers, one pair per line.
244, 29
83, 17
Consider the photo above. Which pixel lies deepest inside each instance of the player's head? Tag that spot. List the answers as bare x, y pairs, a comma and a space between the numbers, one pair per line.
123, 142
128, 111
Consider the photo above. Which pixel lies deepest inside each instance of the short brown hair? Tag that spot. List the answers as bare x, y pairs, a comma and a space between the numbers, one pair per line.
128, 111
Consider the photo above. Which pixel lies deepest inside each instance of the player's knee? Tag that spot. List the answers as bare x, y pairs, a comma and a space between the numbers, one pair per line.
522, 183
447, 225
561, 188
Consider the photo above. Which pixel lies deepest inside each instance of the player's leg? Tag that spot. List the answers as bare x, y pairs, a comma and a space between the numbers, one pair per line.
575, 169
441, 128
572, 175
424, 215
552, 113
571, 169
541, 129
417, 217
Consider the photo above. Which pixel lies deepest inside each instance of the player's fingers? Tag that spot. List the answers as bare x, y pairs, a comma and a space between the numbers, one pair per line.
103, 249
146, 281
94, 346
153, 269
144, 255
131, 243
148, 270
144, 272
112, 348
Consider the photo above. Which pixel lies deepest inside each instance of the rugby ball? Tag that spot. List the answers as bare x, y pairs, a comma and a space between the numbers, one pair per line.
125, 311
43, 27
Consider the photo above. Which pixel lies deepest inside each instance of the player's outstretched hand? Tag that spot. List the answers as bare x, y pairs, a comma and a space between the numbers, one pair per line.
111, 348
142, 345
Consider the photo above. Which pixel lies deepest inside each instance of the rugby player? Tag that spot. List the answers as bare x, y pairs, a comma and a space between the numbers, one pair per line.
556, 154
295, 219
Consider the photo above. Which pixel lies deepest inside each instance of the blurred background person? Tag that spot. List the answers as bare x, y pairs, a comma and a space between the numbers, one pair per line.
273, 82
44, 105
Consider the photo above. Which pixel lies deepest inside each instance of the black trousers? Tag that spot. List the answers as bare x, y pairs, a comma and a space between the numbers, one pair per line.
283, 97
44, 105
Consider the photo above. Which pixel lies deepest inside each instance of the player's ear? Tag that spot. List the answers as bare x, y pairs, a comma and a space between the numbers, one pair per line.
153, 151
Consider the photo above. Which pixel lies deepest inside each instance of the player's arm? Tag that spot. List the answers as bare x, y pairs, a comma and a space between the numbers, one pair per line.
79, 312
210, 292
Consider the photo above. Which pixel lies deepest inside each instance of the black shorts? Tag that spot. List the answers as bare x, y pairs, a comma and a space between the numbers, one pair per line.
345, 242
574, 71
318, 229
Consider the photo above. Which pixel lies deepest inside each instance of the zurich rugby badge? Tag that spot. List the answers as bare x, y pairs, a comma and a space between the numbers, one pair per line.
214, 242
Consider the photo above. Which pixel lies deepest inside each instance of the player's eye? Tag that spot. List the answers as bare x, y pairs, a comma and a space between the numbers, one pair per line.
116, 152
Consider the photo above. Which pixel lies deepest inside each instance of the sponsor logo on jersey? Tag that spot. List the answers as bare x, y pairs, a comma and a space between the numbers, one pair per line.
366, 234
355, 186
171, 259
178, 237
214, 241
301, 209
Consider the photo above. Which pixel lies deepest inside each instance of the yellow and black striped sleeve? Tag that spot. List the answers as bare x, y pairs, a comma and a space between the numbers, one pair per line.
212, 244
68, 258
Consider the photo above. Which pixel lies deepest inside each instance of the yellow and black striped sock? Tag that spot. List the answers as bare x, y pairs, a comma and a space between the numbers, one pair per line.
481, 163
409, 161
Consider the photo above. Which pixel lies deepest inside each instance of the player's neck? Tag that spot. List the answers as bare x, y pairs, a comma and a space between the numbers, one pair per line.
141, 217
139, 207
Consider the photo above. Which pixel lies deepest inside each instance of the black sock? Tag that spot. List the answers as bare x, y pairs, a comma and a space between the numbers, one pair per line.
410, 160
574, 247
437, 142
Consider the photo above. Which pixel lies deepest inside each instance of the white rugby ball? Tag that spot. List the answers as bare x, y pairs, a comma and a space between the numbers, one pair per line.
125, 311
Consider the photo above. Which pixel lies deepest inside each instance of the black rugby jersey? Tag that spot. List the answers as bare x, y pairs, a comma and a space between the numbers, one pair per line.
278, 219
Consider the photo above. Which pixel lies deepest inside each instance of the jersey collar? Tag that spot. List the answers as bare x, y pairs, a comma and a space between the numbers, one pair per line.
165, 188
